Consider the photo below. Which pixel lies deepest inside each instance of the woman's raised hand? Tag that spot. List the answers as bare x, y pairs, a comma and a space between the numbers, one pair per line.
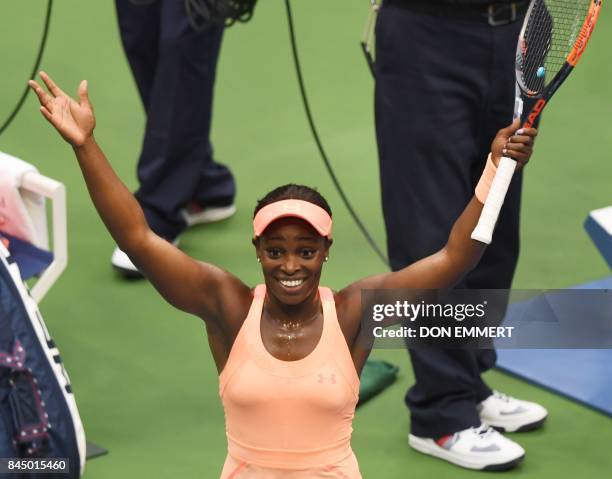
75, 121
514, 143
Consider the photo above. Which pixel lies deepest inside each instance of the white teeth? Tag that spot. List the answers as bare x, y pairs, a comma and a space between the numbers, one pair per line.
292, 283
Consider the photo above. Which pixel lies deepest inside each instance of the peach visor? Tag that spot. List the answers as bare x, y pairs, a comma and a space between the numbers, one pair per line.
316, 216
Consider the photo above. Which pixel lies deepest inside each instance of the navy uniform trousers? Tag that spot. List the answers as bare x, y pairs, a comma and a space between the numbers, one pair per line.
444, 87
174, 69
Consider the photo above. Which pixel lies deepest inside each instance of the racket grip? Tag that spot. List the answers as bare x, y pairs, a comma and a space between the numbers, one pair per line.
495, 199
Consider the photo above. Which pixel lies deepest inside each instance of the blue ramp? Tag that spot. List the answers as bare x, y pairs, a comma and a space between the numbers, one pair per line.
583, 375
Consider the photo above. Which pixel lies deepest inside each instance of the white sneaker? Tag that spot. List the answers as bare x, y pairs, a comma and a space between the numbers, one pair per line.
508, 414
481, 448
195, 214
124, 265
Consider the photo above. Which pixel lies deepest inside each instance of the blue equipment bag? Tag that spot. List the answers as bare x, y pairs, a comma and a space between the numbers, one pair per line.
38, 412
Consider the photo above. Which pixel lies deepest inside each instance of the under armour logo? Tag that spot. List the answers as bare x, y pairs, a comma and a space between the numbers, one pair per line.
322, 379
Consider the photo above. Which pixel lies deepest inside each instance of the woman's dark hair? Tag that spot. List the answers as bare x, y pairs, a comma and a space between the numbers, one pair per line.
293, 192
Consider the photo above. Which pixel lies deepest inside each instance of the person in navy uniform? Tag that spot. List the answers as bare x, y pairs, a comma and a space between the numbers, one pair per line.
444, 86
174, 66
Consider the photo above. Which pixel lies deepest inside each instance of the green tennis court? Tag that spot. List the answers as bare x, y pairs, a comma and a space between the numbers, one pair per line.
144, 380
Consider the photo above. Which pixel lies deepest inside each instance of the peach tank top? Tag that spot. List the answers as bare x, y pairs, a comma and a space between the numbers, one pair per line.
289, 414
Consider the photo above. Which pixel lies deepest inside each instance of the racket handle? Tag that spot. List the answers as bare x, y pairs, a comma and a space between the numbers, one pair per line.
495, 199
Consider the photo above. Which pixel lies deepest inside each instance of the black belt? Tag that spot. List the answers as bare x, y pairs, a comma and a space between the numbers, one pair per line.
495, 14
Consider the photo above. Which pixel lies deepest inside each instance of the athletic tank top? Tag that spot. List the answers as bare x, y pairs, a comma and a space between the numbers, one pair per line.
289, 414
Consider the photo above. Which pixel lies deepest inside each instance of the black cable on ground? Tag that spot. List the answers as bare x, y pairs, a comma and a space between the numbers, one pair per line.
315, 134
41, 49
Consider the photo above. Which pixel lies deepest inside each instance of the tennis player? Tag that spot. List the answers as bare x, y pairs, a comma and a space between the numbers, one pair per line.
287, 350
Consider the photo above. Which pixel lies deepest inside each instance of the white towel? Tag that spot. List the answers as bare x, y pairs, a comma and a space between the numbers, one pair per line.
22, 213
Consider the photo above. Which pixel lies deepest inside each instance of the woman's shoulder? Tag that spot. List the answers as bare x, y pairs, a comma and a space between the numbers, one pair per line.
234, 298
348, 311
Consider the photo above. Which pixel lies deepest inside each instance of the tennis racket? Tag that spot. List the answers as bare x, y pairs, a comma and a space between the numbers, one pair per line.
552, 40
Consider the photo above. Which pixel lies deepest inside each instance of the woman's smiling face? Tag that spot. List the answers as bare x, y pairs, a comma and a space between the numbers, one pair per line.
292, 255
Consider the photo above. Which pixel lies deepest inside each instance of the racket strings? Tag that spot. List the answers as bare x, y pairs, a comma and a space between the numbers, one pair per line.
547, 38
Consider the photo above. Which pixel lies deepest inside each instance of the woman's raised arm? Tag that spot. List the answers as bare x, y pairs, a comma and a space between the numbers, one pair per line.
448, 266
192, 286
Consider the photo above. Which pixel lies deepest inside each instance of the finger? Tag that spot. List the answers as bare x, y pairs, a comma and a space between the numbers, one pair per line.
47, 114
520, 156
517, 148
530, 132
43, 96
510, 145
83, 94
53, 88
533, 132
522, 139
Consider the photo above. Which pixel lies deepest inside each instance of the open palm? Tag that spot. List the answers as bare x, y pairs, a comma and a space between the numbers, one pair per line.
74, 120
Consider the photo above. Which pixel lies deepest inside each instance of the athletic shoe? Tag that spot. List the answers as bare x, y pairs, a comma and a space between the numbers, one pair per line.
508, 414
124, 265
481, 448
195, 214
